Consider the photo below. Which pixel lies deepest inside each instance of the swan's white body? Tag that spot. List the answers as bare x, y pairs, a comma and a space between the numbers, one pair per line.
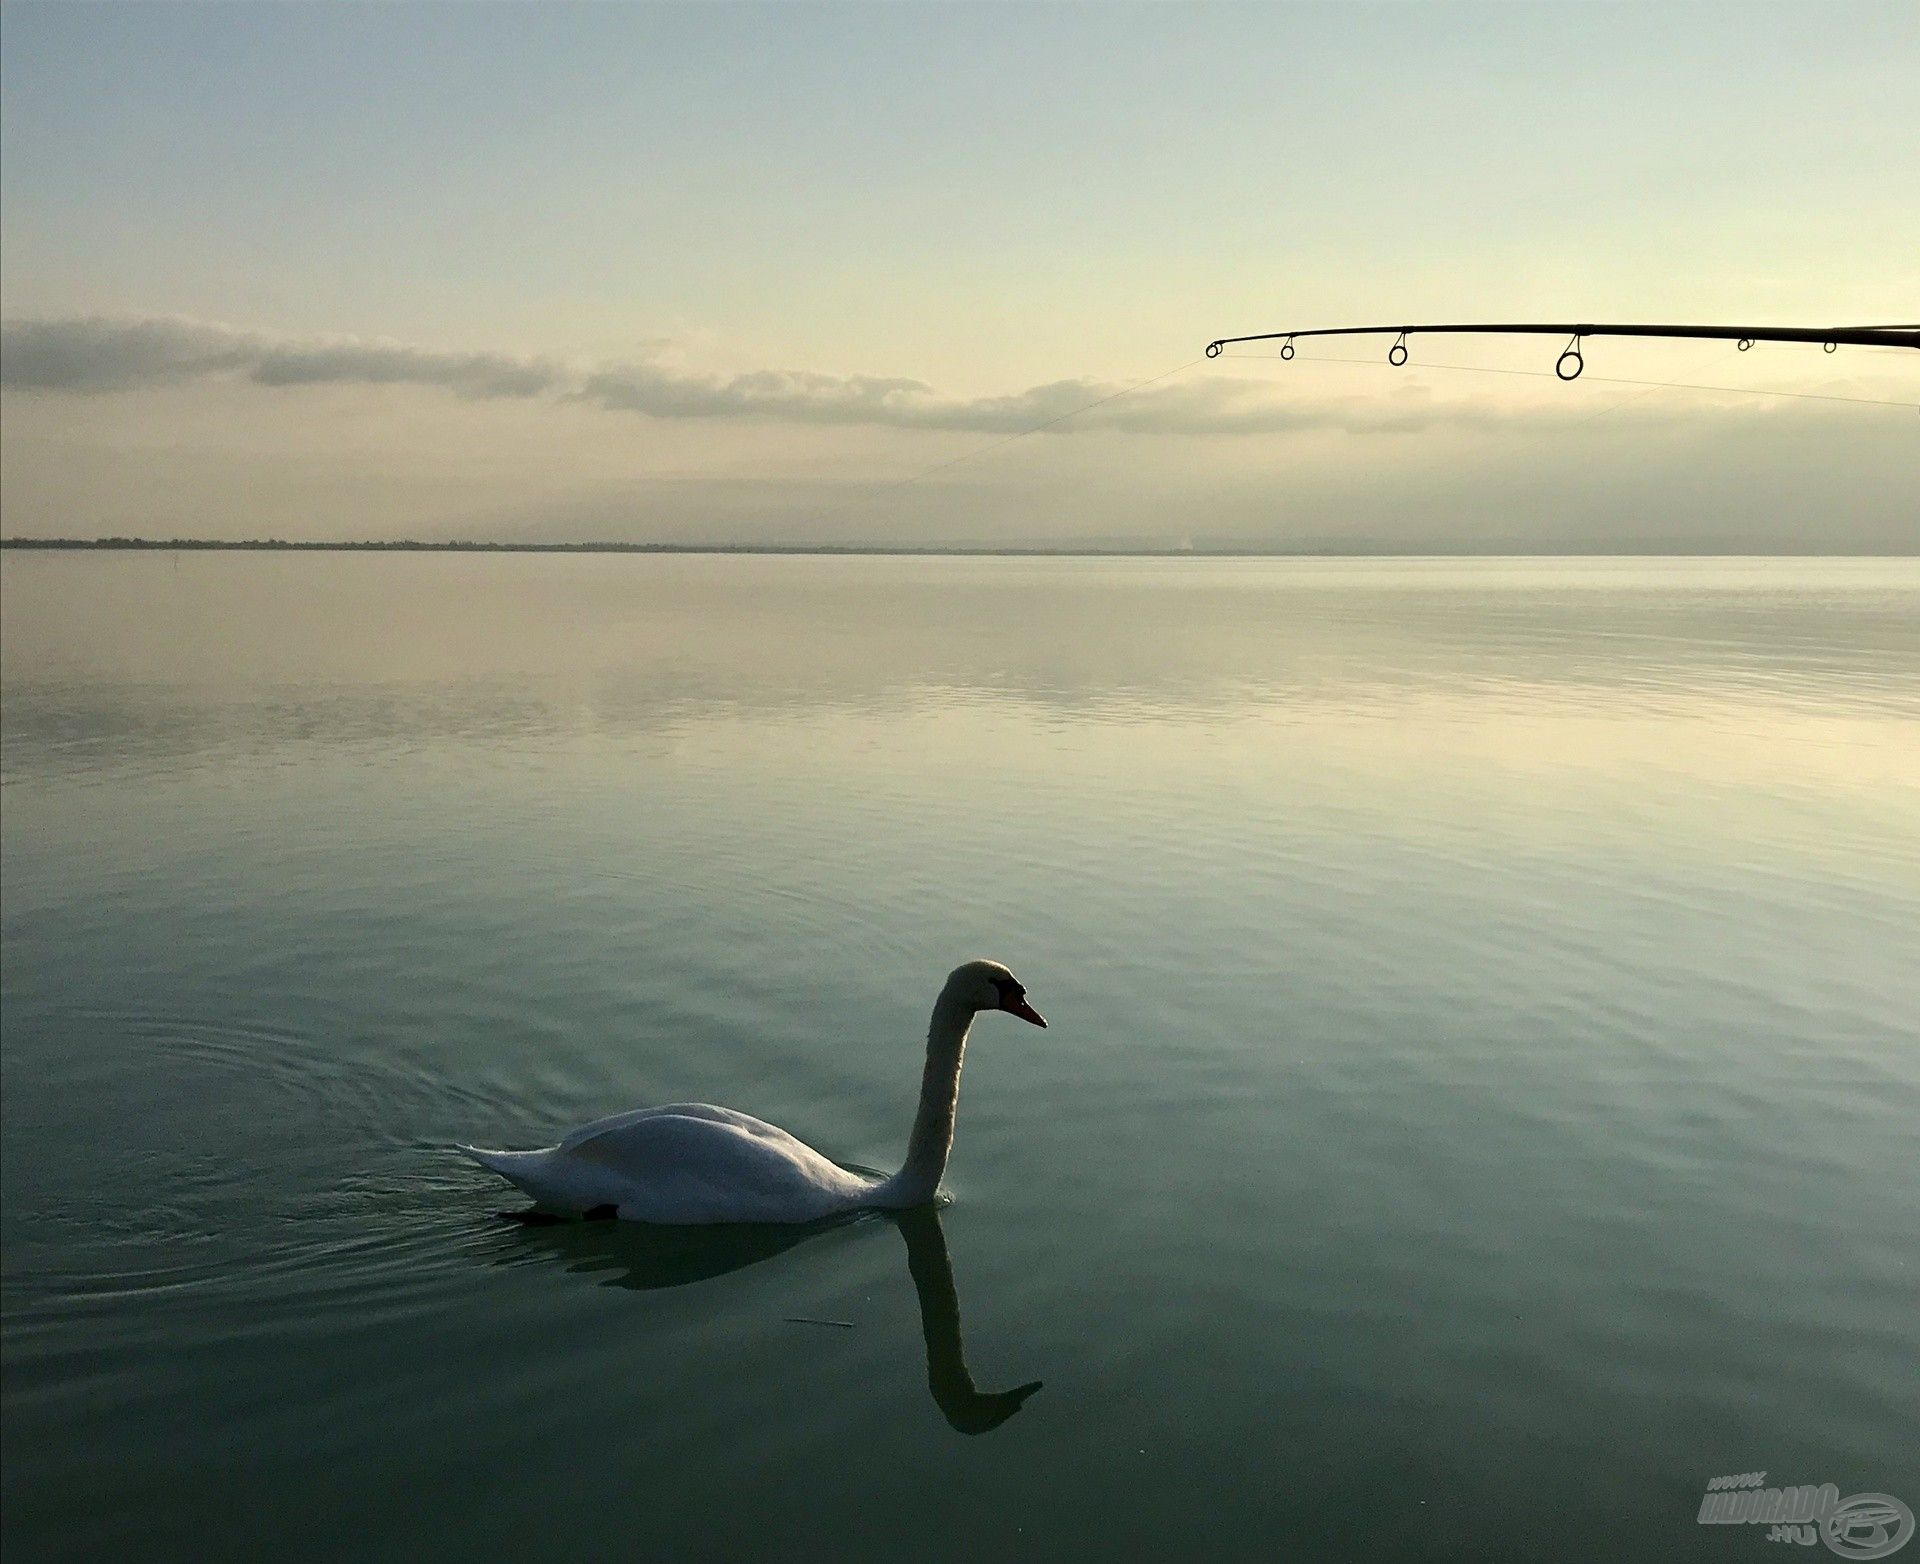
682, 1163
690, 1162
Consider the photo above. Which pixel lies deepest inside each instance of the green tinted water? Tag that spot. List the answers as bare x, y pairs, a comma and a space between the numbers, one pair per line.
1478, 1108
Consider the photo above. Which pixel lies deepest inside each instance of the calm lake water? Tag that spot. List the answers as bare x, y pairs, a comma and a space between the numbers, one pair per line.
1479, 1107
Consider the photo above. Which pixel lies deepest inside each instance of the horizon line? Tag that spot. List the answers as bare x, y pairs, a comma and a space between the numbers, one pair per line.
1063, 551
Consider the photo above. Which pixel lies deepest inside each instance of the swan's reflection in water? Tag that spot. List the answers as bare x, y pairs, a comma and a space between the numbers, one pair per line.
626, 1254
968, 1409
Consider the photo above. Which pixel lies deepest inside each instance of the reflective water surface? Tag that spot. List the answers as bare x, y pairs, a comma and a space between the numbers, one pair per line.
1478, 1108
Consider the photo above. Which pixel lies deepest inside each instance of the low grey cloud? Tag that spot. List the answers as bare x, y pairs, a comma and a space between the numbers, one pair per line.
792, 396
1218, 405
385, 363
97, 355
93, 354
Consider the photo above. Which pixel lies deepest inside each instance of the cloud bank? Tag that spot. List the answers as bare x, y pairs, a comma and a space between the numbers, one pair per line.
92, 355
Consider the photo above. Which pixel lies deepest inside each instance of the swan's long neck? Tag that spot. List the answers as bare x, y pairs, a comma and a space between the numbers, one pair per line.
932, 1139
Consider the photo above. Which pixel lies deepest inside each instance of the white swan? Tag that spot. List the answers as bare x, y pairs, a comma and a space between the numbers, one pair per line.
689, 1162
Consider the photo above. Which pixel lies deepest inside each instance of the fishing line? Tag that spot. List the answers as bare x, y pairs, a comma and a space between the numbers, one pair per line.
1616, 380
884, 489
1475, 474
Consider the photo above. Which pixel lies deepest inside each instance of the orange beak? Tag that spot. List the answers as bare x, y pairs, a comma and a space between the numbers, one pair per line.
1025, 1011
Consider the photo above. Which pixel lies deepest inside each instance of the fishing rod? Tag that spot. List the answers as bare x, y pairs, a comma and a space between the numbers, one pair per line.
1570, 363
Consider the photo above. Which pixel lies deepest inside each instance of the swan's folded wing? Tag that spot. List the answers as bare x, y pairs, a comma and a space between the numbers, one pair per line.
662, 1143
694, 1163
680, 1110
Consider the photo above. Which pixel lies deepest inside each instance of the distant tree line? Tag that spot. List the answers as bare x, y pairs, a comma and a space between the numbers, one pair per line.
471, 546
380, 545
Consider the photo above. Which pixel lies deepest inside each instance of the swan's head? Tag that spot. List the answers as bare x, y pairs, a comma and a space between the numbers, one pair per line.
986, 985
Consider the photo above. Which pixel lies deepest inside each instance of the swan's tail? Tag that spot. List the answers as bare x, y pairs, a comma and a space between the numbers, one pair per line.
519, 1168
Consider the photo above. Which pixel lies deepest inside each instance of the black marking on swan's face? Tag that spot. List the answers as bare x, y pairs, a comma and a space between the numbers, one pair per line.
1013, 999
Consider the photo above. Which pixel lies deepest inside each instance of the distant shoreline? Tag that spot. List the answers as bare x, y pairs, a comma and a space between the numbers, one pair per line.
416, 546
855, 550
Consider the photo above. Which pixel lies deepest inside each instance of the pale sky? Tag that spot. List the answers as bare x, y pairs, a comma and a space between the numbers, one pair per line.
728, 273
